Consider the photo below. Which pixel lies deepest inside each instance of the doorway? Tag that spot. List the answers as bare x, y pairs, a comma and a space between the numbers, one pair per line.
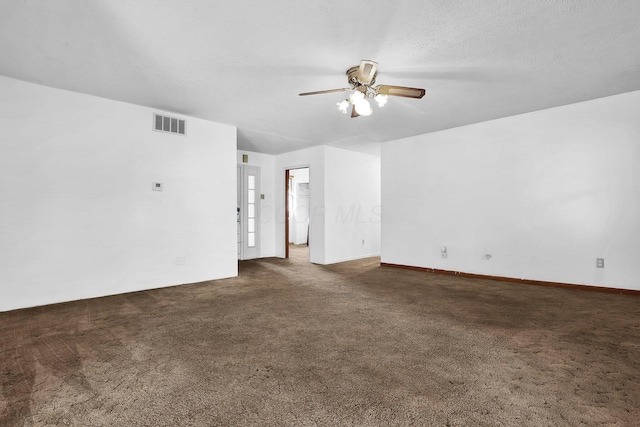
297, 213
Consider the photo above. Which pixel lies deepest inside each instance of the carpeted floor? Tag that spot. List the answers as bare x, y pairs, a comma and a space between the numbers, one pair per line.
288, 343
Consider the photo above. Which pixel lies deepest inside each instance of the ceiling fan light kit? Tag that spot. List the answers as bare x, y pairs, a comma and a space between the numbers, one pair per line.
362, 78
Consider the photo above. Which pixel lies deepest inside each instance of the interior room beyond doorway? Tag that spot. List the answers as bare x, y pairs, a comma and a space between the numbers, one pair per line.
298, 218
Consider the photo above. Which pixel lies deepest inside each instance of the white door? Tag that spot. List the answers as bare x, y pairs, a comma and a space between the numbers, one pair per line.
249, 214
238, 217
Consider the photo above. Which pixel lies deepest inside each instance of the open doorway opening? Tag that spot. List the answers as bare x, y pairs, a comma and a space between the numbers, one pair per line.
297, 211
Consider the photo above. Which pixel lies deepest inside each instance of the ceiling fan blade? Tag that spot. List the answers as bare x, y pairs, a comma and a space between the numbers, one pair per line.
319, 92
367, 71
354, 113
407, 92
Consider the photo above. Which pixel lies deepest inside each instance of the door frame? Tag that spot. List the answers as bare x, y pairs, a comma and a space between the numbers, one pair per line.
287, 176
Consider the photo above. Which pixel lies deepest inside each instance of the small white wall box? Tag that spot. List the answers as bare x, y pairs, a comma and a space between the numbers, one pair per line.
157, 186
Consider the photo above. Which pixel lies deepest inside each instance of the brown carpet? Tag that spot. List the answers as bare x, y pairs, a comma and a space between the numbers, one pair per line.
294, 344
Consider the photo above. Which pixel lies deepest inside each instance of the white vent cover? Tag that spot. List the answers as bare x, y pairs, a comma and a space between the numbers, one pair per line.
169, 124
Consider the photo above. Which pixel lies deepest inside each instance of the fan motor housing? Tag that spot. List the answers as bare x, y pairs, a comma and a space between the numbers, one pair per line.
352, 77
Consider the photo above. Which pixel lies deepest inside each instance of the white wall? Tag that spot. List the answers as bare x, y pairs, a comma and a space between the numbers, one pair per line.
352, 205
344, 209
266, 162
544, 193
78, 216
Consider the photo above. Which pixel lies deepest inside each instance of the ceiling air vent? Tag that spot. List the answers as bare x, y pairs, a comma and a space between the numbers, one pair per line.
168, 124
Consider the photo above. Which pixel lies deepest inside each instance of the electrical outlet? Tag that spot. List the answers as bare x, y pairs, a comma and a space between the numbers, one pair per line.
443, 251
156, 186
599, 262
363, 241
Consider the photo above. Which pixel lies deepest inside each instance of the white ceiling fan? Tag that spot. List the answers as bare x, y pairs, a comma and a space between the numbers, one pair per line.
362, 79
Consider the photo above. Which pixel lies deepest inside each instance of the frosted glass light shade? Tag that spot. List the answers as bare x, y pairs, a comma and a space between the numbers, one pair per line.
356, 96
363, 107
381, 99
343, 106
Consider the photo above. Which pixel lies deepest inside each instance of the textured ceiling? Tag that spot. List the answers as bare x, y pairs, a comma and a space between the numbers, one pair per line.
244, 62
